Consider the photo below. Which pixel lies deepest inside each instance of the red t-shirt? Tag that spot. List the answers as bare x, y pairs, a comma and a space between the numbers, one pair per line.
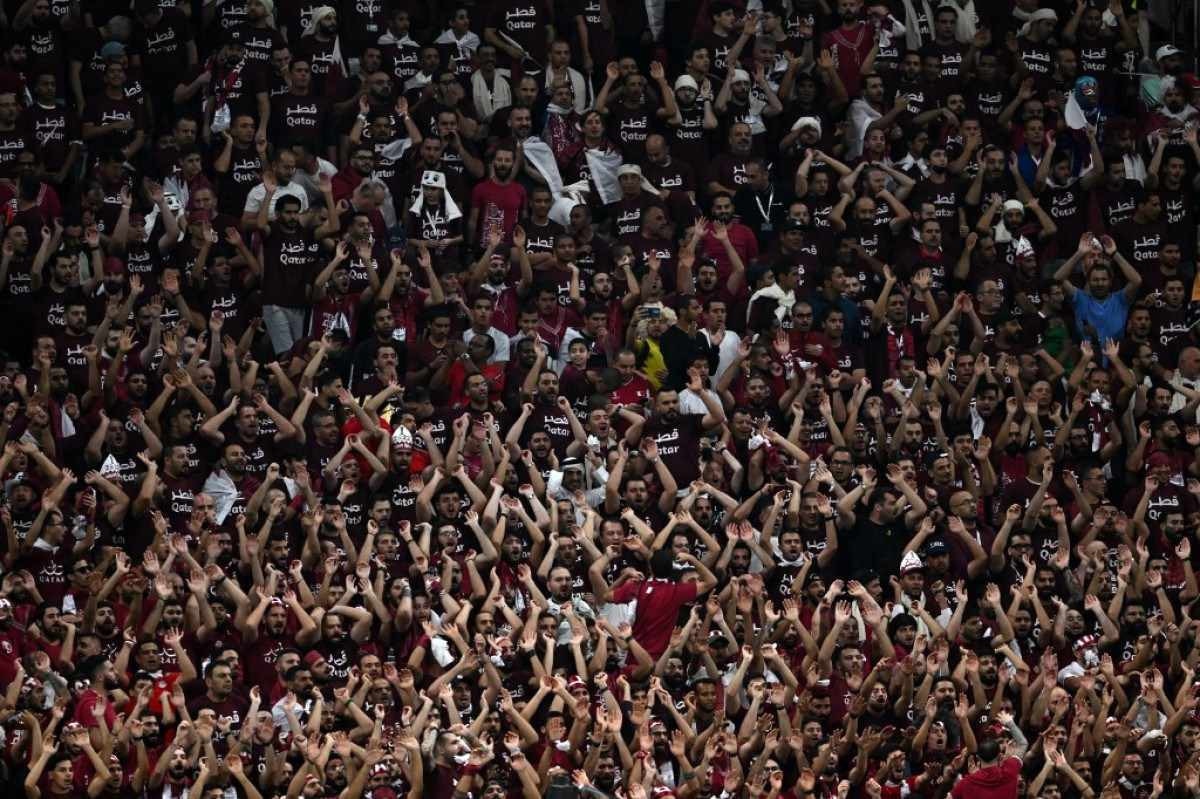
499, 205
658, 604
83, 710
992, 782
744, 242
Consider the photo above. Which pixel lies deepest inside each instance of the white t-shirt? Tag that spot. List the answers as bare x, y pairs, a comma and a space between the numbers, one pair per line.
254, 199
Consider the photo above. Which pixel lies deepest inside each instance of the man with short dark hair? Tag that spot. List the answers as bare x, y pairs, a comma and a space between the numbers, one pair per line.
996, 766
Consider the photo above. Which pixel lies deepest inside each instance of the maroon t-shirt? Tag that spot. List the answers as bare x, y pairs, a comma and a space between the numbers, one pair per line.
499, 206
658, 604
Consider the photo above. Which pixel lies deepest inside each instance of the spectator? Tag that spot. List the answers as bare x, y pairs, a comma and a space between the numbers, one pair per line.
524, 398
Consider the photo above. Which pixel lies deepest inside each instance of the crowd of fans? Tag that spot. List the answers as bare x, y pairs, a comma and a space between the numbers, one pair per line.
599, 399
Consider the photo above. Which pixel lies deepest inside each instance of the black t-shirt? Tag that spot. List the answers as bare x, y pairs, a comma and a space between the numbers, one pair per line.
163, 48
296, 118
553, 421
102, 110
523, 21
877, 548
289, 264
245, 171
258, 44
678, 444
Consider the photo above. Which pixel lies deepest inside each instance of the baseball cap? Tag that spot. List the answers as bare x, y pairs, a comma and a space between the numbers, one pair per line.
935, 548
112, 50
1158, 459
1166, 51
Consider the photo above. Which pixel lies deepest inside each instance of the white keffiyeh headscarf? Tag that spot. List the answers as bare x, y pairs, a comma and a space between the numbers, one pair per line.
436, 180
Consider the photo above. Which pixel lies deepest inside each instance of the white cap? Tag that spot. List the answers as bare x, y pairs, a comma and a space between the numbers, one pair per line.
1014, 205
741, 76
1166, 51
807, 122
910, 563
686, 82
402, 437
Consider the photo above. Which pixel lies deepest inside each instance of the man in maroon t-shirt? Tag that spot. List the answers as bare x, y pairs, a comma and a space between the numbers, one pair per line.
496, 203
660, 598
997, 772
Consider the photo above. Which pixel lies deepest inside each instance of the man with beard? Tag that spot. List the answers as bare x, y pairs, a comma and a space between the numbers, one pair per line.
850, 43
73, 341
1101, 312
728, 170
729, 243
883, 532
319, 45
549, 412
265, 631
98, 671
339, 646
102, 621
289, 259
489, 278
15, 137
678, 436
260, 448
496, 203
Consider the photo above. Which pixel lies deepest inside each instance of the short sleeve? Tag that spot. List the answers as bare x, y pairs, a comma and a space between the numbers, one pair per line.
254, 201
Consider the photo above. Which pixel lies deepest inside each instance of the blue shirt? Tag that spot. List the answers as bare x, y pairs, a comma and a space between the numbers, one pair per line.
1107, 316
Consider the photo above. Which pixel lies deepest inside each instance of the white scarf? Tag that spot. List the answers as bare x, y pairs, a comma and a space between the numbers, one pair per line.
912, 26
221, 488
784, 300
452, 210
602, 164
469, 43
490, 99
403, 41
967, 20
1074, 116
